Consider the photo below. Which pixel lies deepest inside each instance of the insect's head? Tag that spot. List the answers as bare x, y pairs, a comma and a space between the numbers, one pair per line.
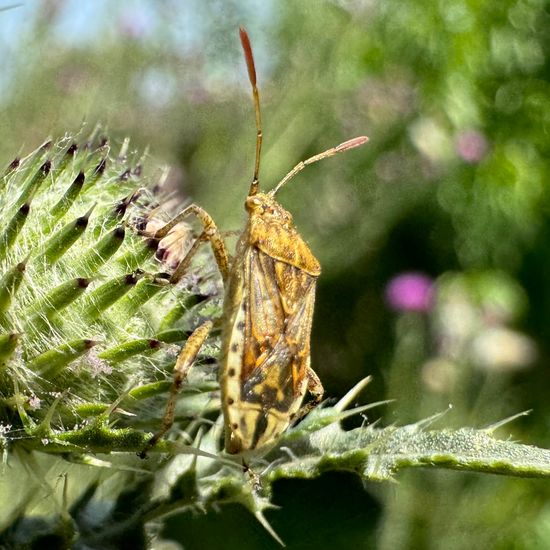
265, 205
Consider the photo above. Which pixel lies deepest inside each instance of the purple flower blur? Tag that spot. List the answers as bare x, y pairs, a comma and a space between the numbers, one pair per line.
410, 292
134, 24
471, 146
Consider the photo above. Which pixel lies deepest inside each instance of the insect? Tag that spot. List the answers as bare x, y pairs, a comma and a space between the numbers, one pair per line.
269, 287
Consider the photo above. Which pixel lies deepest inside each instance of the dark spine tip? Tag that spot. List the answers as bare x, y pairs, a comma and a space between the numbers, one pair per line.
79, 180
46, 167
14, 164
82, 282
201, 298
131, 278
101, 167
125, 175
134, 196
152, 244
119, 233
46, 145
82, 221
25, 209
71, 151
103, 140
154, 343
138, 170
88, 344
21, 266
120, 208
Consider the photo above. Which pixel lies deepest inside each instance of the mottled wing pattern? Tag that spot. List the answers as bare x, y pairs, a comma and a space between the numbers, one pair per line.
278, 308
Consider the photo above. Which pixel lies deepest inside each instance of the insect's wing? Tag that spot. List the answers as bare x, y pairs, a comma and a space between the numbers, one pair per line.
278, 315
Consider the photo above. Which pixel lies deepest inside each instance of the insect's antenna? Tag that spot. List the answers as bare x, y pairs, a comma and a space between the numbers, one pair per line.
247, 48
350, 144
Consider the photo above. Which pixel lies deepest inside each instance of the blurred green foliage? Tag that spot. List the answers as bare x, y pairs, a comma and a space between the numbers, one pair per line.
455, 98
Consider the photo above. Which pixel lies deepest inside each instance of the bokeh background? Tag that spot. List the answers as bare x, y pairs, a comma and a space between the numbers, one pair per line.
433, 238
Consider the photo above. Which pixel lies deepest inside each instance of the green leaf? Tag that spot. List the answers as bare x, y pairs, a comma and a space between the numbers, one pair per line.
378, 453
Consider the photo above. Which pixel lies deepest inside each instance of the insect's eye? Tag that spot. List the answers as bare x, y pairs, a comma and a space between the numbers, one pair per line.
252, 203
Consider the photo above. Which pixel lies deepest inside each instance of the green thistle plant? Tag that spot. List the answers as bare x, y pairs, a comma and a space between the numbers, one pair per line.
89, 331
89, 323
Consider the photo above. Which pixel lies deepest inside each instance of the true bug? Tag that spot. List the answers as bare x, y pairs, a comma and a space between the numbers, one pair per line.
267, 314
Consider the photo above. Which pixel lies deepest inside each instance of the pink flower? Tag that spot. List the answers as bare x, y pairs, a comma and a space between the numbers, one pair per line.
471, 146
134, 24
410, 292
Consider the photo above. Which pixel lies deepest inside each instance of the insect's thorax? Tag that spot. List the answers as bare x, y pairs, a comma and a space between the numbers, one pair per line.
270, 228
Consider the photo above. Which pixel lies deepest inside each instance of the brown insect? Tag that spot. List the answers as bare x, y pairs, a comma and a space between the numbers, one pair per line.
268, 308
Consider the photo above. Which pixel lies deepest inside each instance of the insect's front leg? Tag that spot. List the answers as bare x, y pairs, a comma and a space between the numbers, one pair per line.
184, 362
210, 233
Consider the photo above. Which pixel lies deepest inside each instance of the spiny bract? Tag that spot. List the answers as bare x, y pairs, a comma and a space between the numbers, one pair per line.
89, 324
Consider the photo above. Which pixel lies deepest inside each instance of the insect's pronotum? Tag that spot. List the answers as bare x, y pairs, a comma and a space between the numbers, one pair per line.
268, 307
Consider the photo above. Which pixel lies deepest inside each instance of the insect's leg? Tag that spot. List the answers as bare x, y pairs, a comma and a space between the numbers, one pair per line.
184, 362
253, 477
180, 270
315, 388
211, 233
